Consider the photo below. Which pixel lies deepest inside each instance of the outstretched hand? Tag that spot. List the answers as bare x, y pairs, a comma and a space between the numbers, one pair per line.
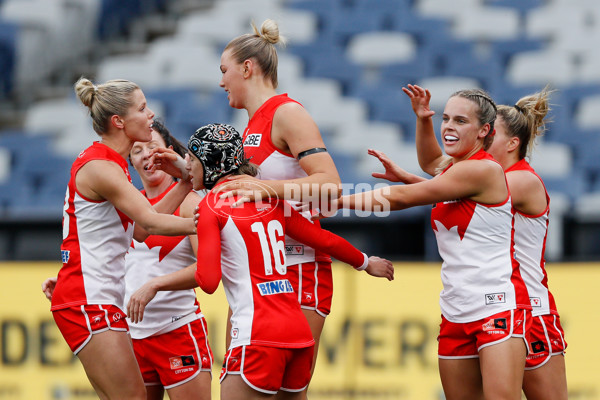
48, 287
166, 159
419, 100
393, 172
381, 268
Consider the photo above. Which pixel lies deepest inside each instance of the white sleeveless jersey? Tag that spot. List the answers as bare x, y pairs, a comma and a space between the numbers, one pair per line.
479, 275
96, 237
276, 165
156, 256
530, 245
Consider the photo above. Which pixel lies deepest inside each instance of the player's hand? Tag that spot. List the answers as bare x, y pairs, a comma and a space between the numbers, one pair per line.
139, 300
196, 216
393, 172
166, 159
245, 188
48, 287
381, 268
419, 100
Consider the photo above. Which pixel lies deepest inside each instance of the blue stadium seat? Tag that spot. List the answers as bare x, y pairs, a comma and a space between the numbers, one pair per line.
323, 10
383, 6
327, 60
387, 103
170, 98
50, 195
438, 50
572, 186
426, 30
340, 26
504, 93
485, 71
21, 146
188, 116
115, 17
523, 6
422, 66
8, 48
14, 192
587, 155
346, 166
504, 49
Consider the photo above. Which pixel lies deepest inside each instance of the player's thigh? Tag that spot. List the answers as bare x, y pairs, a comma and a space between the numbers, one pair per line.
233, 387
198, 388
461, 378
155, 392
502, 367
110, 364
283, 395
548, 382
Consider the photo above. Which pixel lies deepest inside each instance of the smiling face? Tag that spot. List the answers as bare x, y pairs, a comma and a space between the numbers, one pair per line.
196, 171
140, 159
232, 80
137, 123
462, 133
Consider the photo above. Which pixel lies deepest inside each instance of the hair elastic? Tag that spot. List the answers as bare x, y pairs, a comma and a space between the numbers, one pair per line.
519, 109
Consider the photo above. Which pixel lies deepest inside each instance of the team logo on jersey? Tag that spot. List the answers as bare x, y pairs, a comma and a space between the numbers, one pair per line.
117, 317
538, 347
518, 323
496, 325
253, 140
294, 250
65, 255
495, 298
181, 361
235, 333
275, 287
535, 301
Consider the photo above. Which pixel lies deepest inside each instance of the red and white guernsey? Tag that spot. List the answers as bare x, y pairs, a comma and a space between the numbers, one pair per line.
96, 237
530, 245
277, 165
244, 247
479, 275
156, 256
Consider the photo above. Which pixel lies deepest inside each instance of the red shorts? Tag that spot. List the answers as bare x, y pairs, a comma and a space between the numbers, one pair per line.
465, 340
313, 281
175, 357
78, 324
270, 369
546, 339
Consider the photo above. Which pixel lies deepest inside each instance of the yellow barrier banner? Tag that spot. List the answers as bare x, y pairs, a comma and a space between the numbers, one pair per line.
378, 343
